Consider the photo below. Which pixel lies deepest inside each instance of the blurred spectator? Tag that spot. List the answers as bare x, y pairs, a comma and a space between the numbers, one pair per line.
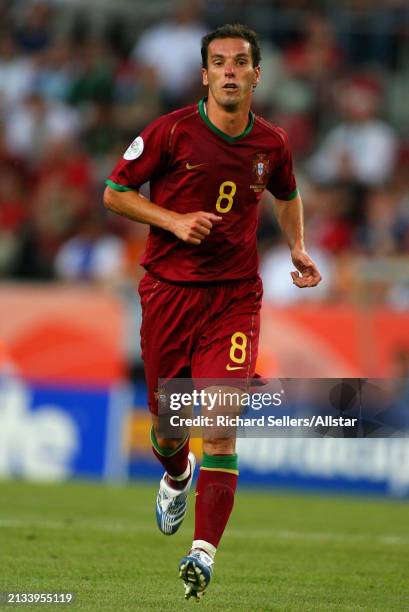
16, 73
300, 129
91, 255
272, 72
5, 15
401, 191
137, 97
172, 48
10, 160
398, 292
74, 92
275, 271
288, 101
63, 189
14, 214
317, 55
330, 221
94, 76
35, 32
31, 125
65, 162
380, 221
371, 32
55, 71
102, 132
401, 364
300, 98
60, 193
362, 148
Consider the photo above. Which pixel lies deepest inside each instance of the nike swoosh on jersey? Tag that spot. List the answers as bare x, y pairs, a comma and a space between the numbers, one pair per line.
192, 167
230, 367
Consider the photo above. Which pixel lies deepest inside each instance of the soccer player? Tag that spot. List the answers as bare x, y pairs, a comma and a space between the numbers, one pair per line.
208, 165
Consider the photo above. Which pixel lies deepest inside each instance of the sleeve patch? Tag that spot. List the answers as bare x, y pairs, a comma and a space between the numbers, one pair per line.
135, 149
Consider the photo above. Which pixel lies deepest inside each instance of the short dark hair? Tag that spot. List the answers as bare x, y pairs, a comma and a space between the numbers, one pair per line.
235, 30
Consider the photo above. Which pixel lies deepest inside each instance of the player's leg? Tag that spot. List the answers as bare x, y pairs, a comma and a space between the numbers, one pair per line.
179, 464
228, 350
215, 491
173, 454
165, 349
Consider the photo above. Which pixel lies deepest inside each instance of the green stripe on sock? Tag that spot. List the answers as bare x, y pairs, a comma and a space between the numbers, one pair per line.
222, 462
166, 452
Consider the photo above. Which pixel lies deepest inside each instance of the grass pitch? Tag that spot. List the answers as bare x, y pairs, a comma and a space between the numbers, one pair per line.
282, 551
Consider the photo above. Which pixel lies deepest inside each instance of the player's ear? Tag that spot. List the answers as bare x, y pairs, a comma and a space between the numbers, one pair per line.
256, 76
205, 80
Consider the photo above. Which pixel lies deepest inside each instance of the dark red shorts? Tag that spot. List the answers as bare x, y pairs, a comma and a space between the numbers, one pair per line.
200, 332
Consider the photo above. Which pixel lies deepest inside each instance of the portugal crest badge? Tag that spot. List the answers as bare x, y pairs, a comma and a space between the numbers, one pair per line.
261, 166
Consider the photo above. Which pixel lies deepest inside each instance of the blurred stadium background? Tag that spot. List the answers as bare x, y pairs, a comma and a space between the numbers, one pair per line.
78, 80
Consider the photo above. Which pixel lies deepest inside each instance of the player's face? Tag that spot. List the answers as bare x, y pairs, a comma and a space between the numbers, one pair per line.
230, 74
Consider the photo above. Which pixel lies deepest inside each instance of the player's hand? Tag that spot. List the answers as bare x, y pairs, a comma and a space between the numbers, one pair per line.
194, 227
307, 274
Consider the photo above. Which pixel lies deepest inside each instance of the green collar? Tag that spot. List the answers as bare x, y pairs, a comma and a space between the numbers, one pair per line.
219, 132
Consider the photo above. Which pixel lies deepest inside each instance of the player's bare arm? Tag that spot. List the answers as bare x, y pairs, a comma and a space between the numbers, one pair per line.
190, 227
290, 217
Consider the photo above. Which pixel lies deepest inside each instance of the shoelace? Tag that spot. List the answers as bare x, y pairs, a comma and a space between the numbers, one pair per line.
201, 555
167, 500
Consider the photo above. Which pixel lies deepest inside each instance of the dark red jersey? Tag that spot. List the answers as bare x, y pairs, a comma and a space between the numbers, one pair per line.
192, 166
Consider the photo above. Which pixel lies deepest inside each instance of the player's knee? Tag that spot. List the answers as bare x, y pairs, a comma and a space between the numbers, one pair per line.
219, 446
167, 443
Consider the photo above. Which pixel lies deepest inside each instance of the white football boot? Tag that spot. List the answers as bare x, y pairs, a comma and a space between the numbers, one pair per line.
171, 504
196, 571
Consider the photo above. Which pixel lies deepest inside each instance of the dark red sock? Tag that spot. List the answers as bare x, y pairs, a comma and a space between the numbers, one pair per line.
174, 461
215, 491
